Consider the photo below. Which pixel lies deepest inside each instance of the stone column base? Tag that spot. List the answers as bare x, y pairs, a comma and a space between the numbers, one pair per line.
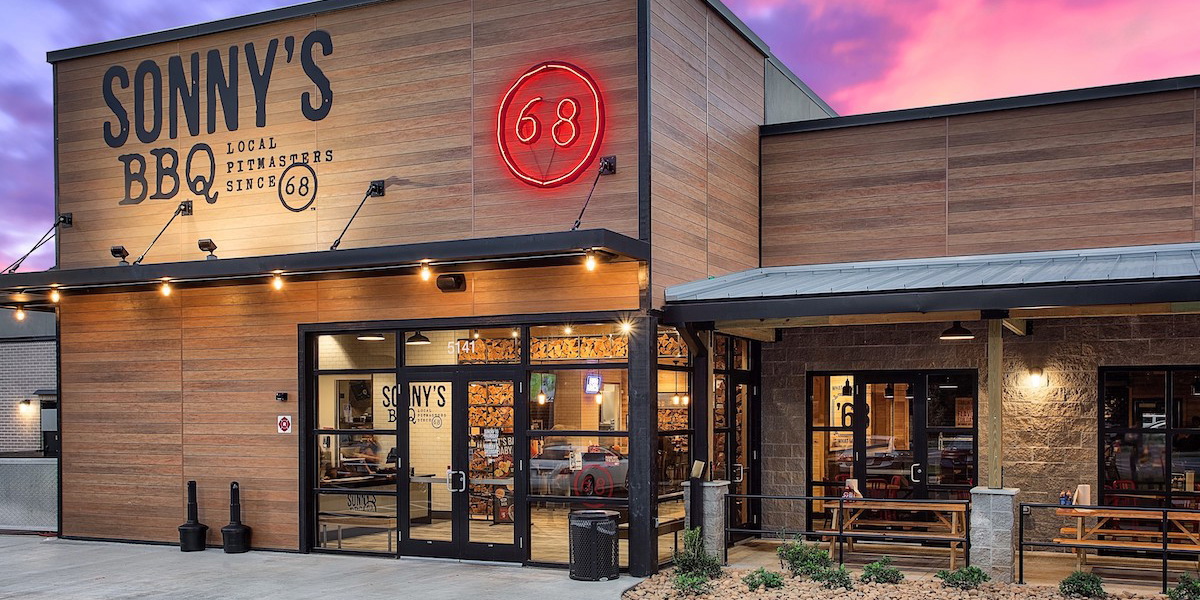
713, 523
993, 518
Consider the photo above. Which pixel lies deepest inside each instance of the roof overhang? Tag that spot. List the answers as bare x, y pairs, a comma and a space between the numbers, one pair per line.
985, 283
31, 290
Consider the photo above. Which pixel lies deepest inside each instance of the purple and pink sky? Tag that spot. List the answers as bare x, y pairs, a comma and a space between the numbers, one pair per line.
859, 55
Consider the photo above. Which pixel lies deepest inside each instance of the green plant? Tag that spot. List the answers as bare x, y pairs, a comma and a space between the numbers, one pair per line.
687, 584
965, 578
1083, 585
802, 560
881, 571
834, 577
763, 578
1188, 588
694, 559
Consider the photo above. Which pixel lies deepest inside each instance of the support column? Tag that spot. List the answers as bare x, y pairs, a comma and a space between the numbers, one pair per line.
643, 446
995, 389
700, 389
993, 547
709, 514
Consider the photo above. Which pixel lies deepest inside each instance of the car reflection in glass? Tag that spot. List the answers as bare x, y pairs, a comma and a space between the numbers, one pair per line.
595, 471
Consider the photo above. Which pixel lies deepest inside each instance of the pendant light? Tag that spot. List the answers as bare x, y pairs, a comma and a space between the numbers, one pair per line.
957, 332
416, 339
847, 389
889, 391
372, 337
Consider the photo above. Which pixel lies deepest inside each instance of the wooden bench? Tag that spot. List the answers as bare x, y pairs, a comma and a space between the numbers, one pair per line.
855, 517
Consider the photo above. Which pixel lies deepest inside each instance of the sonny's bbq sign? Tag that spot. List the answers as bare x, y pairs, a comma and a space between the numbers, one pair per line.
177, 99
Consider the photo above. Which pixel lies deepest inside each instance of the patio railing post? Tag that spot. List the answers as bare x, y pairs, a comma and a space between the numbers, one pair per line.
727, 532
1165, 531
841, 520
1021, 544
967, 532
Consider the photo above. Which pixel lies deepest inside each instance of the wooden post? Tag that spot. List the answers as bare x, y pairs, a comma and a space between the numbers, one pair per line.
995, 389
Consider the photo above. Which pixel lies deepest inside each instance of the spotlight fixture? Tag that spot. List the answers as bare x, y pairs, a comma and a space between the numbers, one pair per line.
847, 389
165, 288
957, 332
371, 337
55, 296
416, 339
120, 253
20, 314
426, 273
589, 260
277, 282
599, 398
451, 282
541, 397
207, 245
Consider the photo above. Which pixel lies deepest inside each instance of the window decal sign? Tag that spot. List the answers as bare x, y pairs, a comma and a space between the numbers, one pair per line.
550, 124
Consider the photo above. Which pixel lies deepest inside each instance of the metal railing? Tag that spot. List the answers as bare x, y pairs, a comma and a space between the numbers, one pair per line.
1162, 515
840, 534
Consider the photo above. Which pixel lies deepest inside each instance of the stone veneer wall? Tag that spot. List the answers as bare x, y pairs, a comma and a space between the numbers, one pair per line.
1050, 433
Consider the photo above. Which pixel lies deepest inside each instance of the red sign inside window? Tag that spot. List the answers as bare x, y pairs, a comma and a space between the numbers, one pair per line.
550, 124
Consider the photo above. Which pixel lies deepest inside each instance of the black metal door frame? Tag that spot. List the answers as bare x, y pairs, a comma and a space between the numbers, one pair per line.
918, 438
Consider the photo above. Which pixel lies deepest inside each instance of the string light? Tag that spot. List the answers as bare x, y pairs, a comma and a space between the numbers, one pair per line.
589, 260
55, 296
277, 282
426, 272
686, 399
567, 330
20, 314
165, 288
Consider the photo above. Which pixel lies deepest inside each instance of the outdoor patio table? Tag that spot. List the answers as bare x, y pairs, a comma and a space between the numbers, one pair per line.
1183, 533
951, 516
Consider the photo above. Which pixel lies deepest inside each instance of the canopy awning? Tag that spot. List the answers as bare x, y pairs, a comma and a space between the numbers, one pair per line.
1129, 275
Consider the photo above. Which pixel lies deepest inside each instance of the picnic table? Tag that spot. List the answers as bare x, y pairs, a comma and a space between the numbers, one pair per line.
1183, 531
858, 515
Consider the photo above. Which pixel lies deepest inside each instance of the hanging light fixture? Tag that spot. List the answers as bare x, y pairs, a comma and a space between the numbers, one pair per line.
541, 397
889, 391
686, 399
475, 334
675, 399
626, 327
516, 333
426, 272
847, 389
371, 337
589, 260
20, 314
567, 330
55, 296
957, 332
277, 282
416, 339
599, 398
165, 288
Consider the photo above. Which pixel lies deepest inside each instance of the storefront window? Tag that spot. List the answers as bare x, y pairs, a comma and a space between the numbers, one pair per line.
579, 400
1185, 385
367, 401
670, 527
579, 466
368, 350
951, 401
362, 521
1135, 399
578, 343
720, 352
674, 460
487, 346
674, 400
741, 354
951, 459
671, 348
549, 535
358, 461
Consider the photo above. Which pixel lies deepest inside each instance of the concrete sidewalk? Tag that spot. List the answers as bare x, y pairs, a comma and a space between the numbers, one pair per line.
33, 567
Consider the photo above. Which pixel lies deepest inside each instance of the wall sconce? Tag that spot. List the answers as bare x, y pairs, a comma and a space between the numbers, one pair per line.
1037, 378
26, 406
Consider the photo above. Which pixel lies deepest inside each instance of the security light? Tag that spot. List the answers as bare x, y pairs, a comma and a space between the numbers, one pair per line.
120, 253
207, 245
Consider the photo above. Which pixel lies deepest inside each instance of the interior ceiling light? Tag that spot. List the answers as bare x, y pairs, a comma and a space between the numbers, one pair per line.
541, 397
516, 333
599, 398
416, 339
889, 391
372, 337
847, 389
957, 332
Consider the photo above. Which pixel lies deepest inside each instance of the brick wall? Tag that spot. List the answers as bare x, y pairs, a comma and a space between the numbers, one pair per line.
24, 368
1050, 435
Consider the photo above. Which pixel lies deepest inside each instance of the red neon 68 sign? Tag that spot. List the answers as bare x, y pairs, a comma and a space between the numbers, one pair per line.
550, 124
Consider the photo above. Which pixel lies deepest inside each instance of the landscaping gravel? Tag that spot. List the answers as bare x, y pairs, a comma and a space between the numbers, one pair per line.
730, 587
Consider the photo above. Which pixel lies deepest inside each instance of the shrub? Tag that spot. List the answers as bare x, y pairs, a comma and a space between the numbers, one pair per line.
1188, 588
833, 578
694, 560
687, 584
763, 578
1083, 585
803, 560
881, 571
965, 578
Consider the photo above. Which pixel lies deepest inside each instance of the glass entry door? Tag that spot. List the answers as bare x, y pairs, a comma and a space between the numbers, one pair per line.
892, 450
463, 494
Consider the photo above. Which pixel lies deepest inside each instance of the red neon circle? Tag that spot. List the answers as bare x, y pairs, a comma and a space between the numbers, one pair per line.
517, 139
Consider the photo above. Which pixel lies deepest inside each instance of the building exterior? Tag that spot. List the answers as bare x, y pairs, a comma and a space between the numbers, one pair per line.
431, 275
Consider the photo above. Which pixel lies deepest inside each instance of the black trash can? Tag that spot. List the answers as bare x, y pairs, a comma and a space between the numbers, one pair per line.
593, 545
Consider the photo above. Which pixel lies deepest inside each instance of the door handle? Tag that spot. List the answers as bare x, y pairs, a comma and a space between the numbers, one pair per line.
463, 475
740, 473
450, 480
912, 473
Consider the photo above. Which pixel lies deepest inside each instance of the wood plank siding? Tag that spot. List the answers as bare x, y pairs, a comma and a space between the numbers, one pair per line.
706, 106
415, 89
159, 390
1099, 173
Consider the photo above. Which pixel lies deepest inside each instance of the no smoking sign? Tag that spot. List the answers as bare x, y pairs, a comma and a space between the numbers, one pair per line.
284, 423
550, 124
